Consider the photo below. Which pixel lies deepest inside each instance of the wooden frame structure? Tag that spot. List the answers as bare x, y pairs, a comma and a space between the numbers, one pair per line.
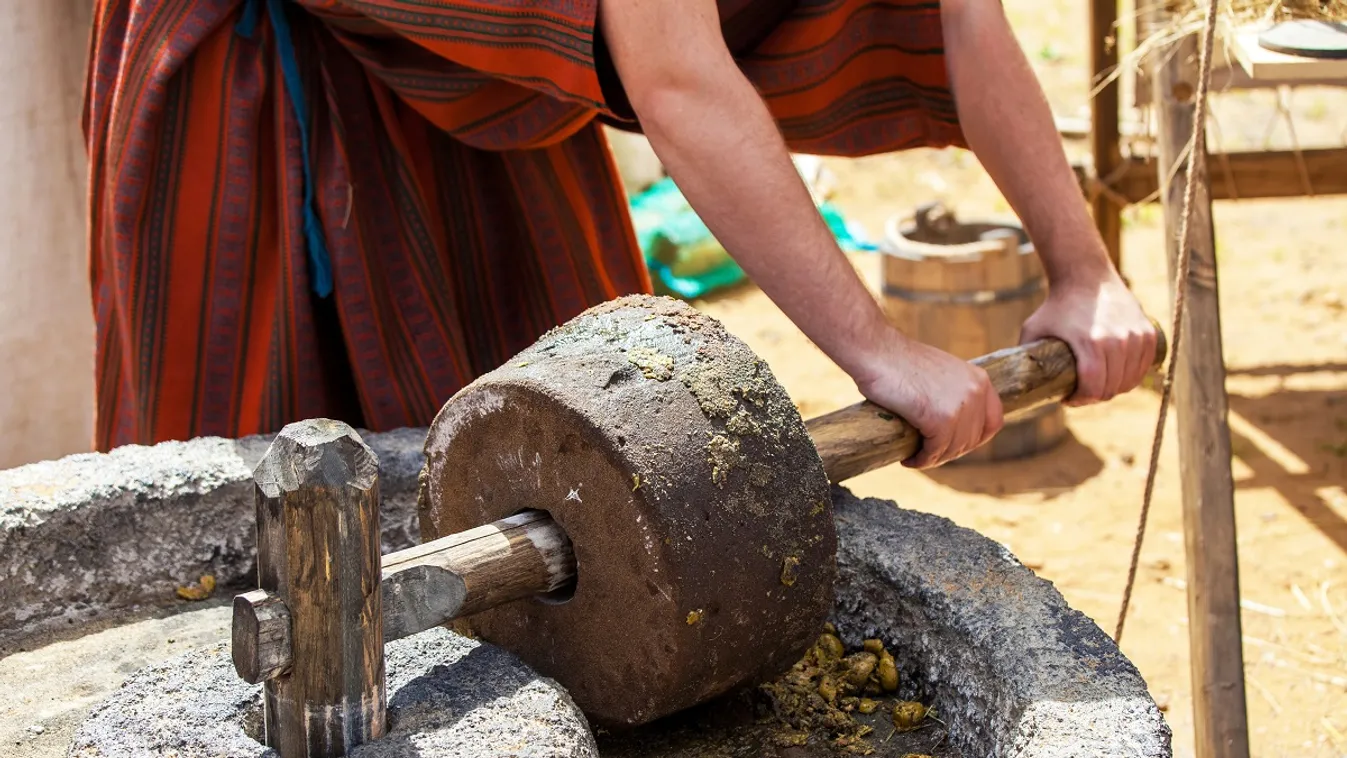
1201, 405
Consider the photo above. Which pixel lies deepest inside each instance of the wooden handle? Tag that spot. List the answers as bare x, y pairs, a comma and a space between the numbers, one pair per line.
424, 586
864, 436
529, 554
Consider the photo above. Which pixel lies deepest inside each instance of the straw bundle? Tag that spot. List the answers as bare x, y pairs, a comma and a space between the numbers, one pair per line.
1184, 17
1243, 11
1189, 15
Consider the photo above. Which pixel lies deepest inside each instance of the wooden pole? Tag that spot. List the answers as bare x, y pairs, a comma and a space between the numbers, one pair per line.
318, 477
1105, 144
1200, 403
317, 492
424, 586
1244, 175
864, 436
522, 556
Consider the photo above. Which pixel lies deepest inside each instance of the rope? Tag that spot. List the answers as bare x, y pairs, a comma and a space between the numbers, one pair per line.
1197, 157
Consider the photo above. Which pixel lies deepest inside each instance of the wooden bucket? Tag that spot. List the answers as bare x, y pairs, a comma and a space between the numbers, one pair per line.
966, 288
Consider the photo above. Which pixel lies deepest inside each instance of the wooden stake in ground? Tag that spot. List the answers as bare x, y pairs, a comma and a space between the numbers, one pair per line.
317, 491
1220, 715
1104, 138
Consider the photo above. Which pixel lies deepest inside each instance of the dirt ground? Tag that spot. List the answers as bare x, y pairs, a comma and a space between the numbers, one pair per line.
1071, 513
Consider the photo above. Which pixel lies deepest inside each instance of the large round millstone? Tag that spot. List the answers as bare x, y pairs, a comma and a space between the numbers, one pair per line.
696, 502
448, 697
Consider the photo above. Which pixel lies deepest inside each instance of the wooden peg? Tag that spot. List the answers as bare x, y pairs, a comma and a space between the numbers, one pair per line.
317, 494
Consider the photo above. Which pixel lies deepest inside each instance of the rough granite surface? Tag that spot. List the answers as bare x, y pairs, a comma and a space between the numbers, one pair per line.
1012, 669
92, 533
448, 697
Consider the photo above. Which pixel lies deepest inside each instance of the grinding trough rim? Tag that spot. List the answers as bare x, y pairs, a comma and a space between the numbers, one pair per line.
923, 561
1008, 664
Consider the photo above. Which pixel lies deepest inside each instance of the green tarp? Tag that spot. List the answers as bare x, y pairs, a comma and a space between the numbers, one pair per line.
684, 258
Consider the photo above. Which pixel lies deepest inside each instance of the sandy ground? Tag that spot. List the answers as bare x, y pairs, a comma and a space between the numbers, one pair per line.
1070, 513
50, 686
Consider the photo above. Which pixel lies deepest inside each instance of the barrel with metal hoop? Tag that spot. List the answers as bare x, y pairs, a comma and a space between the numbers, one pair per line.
966, 287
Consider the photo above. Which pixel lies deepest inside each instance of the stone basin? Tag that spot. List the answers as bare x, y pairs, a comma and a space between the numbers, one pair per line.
91, 540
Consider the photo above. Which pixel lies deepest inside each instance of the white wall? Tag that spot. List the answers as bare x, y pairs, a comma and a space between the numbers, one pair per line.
46, 326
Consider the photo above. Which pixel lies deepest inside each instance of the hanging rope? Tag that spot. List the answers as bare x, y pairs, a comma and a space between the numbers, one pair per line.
1197, 165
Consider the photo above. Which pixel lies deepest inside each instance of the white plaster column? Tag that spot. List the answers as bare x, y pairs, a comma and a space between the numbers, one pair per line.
46, 324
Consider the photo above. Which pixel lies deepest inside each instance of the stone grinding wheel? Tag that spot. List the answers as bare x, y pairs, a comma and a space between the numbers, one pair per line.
696, 502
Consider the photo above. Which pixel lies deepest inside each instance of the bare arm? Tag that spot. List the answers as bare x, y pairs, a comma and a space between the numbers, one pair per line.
1008, 123
720, 144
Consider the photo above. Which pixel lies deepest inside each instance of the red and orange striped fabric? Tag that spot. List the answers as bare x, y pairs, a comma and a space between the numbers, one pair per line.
462, 186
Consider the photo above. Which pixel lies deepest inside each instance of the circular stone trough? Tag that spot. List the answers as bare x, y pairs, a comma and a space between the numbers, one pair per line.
1010, 668
448, 697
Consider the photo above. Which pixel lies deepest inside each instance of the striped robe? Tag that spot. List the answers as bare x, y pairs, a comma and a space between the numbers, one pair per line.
352, 208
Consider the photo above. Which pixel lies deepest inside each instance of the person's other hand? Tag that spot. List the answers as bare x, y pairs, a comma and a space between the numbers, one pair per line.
950, 401
1110, 336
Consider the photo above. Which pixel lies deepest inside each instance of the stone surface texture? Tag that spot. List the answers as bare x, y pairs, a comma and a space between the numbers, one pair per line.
94, 533
694, 498
448, 697
1008, 664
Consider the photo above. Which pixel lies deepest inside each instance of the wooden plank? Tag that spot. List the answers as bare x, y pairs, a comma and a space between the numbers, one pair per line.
1071, 127
1227, 73
1245, 175
317, 493
1200, 403
1105, 143
1264, 65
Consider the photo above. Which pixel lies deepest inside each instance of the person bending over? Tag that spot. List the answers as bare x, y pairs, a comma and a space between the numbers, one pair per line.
352, 208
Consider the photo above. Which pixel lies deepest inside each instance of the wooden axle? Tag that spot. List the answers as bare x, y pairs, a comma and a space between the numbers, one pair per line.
424, 586
528, 554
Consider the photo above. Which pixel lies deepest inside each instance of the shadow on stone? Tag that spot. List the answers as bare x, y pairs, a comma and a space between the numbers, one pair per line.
1012, 668
449, 697
1008, 666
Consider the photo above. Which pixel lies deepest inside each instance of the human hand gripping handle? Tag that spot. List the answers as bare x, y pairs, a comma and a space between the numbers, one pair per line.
865, 436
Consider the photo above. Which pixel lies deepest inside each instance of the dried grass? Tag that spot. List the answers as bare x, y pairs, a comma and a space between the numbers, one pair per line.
1187, 17
1275, 10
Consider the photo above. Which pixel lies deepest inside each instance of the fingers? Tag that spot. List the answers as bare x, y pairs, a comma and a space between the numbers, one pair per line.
972, 418
1150, 341
1137, 361
933, 449
1091, 375
1114, 350
995, 416
1139, 348
953, 434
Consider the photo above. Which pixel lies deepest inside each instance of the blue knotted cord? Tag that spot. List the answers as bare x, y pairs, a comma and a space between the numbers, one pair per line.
285, 47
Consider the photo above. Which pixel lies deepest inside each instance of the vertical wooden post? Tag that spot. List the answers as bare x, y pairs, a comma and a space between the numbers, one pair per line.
317, 491
1104, 140
1220, 717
